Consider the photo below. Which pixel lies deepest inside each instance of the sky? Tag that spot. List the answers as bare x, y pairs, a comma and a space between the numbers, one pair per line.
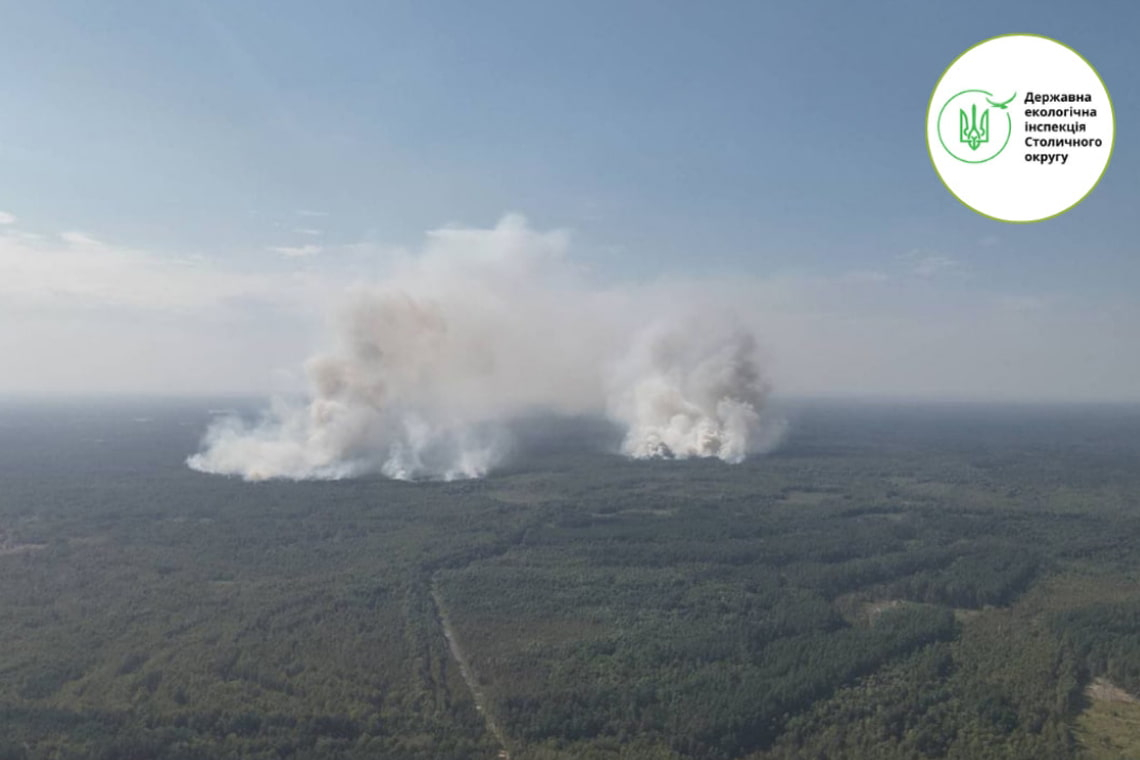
185, 188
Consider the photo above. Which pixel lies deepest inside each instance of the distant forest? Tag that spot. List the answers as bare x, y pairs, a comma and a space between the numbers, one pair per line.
893, 582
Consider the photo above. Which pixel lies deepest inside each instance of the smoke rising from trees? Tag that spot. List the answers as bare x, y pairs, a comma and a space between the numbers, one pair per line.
429, 366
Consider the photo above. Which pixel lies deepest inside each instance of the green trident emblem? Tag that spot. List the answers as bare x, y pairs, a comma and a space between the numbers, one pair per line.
979, 122
971, 131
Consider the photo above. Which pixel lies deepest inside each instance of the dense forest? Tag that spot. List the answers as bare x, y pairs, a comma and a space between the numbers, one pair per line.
892, 582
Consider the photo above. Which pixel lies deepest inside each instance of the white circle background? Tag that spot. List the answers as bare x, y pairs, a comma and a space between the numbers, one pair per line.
1008, 187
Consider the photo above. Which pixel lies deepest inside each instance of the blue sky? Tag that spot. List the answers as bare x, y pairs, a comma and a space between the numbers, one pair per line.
779, 141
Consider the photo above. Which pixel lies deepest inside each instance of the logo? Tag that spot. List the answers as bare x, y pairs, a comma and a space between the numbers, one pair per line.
1020, 128
973, 127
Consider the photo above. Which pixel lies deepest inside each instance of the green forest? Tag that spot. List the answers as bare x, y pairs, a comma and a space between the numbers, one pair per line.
889, 583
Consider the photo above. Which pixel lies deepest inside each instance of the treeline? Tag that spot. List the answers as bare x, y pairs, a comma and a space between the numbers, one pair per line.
993, 575
719, 709
1105, 639
209, 736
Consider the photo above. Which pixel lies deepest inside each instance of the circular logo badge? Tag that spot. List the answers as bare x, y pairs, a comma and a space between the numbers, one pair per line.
1020, 128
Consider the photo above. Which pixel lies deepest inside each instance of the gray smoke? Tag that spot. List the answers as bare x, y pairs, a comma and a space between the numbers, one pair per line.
696, 392
483, 326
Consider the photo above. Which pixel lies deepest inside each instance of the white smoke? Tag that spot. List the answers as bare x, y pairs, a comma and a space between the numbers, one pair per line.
696, 392
483, 326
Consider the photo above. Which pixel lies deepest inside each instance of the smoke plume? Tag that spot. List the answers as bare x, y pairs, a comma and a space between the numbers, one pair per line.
430, 365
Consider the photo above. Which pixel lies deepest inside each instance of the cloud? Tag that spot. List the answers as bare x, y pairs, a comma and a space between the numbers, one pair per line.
297, 251
77, 271
925, 264
6, 218
81, 317
309, 212
307, 231
1022, 303
866, 275
79, 239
